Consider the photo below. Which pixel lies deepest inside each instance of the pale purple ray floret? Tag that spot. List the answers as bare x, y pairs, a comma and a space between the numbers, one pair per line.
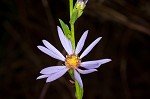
54, 72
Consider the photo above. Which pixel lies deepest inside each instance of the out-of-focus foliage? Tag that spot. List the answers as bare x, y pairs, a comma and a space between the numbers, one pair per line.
123, 24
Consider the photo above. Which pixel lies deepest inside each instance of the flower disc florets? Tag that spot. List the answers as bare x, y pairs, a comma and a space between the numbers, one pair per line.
72, 61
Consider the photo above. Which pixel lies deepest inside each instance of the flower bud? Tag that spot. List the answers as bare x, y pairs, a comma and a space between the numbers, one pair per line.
78, 10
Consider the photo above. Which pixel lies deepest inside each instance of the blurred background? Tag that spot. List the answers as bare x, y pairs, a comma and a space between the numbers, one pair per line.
123, 24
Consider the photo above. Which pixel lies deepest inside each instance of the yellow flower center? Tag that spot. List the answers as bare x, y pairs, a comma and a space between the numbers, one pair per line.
72, 61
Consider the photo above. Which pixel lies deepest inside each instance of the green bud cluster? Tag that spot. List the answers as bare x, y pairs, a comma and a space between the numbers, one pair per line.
77, 10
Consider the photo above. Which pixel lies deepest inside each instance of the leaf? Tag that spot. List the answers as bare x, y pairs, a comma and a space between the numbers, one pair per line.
80, 12
74, 16
65, 29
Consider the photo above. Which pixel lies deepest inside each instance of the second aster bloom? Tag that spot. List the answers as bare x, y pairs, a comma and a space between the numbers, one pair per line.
72, 60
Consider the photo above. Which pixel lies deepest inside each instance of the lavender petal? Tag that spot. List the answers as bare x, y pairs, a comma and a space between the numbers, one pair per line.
42, 76
49, 52
70, 46
94, 64
56, 75
86, 71
52, 69
64, 41
81, 42
90, 47
53, 49
78, 78
85, 1
90, 66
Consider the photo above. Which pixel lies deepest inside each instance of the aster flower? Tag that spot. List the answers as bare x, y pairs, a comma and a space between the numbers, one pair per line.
72, 60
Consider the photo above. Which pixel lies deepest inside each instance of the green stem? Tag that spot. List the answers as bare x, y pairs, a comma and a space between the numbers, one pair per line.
71, 7
72, 36
79, 90
72, 25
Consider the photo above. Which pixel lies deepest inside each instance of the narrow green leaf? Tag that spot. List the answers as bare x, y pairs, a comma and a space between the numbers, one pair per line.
80, 12
65, 29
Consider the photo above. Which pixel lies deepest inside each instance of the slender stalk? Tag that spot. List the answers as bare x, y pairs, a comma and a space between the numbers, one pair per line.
72, 25
79, 91
71, 7
72, 36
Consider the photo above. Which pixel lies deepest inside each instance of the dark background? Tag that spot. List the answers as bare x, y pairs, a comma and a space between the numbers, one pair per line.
123, 24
